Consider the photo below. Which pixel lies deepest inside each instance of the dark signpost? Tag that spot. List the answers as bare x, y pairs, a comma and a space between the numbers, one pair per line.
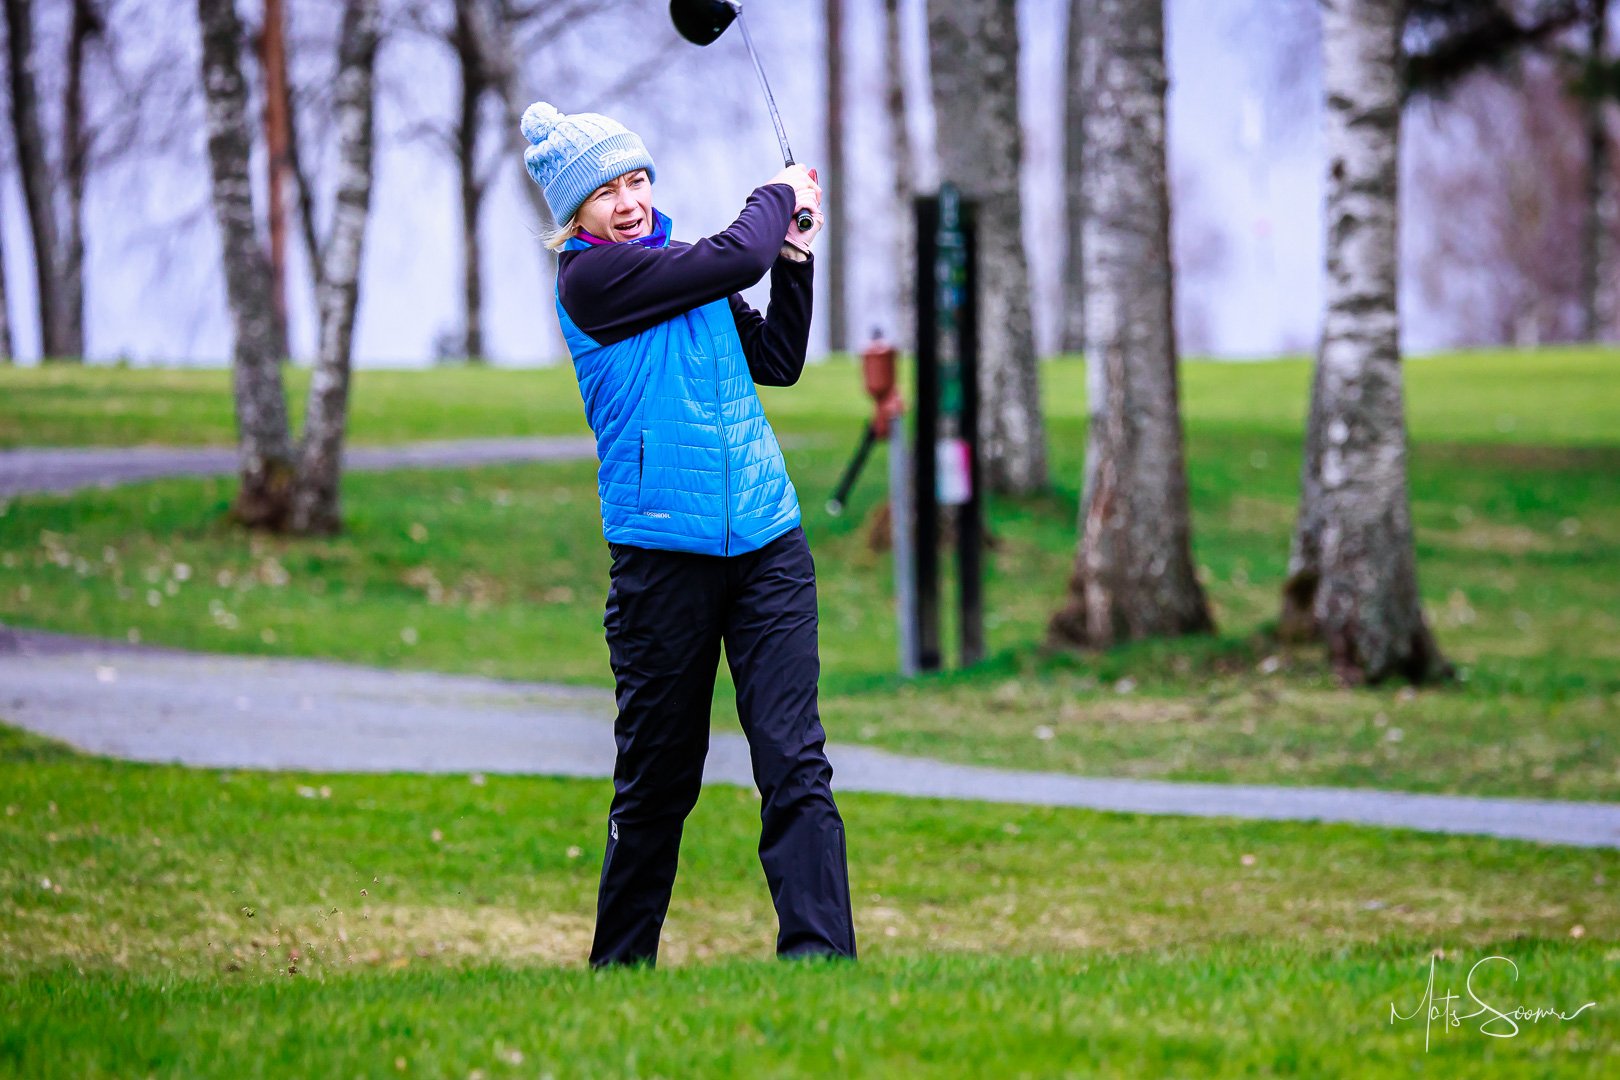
946, 462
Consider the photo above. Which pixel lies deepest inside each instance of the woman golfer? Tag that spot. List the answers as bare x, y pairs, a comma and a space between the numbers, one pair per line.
701, 520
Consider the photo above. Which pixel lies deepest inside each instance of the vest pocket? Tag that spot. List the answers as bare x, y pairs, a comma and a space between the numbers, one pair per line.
641, 469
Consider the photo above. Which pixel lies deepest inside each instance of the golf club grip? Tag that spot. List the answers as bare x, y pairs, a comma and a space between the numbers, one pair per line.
804, 220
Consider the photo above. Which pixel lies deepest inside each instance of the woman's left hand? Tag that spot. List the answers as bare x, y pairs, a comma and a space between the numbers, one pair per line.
803, 240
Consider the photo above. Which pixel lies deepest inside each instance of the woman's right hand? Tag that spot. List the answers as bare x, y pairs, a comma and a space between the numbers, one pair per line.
806, 192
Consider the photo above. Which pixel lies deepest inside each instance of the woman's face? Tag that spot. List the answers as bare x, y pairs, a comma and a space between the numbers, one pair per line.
620, 209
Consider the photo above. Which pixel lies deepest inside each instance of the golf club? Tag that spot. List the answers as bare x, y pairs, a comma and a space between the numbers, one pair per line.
702, 22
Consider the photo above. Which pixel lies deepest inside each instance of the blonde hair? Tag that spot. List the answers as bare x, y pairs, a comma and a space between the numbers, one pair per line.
558, 235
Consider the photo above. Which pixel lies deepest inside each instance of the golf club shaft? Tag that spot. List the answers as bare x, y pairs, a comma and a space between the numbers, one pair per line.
802, 216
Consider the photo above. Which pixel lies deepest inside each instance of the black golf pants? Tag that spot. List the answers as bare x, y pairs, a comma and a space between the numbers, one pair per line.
667, 614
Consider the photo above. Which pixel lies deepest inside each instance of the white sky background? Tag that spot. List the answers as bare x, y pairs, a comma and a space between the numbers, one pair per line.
1243, 138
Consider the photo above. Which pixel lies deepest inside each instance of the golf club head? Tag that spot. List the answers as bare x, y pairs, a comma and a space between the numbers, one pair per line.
702, 21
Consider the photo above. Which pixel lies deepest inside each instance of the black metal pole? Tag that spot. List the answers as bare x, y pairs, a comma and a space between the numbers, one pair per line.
970, 515
925, 491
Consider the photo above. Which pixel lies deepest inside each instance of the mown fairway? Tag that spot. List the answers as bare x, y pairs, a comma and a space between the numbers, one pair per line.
206, 923
1515, 480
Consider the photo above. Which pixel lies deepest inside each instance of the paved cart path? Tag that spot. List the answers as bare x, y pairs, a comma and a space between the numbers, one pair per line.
155, 704
30, 470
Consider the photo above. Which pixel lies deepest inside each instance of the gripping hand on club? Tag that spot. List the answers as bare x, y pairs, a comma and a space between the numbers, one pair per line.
806, 192
806, 196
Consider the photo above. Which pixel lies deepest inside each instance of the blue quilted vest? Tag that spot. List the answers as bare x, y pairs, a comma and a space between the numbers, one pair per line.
688, 460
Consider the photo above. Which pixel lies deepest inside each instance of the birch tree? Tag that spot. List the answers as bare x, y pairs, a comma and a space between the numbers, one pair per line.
973, 57
265, 460
283, 489
904, 161
316, 503
1133, 574
1352, 574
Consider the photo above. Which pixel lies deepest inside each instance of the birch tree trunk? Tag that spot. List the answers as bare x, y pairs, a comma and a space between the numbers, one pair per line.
1074, 206
1133, 574
33, 167
264, 450
905, 164
1598, 278
973, 54
1352, 574
316, 505
834, 263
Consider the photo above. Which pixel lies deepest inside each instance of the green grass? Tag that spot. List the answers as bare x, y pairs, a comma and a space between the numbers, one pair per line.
1515, 480
68, 405
237, 923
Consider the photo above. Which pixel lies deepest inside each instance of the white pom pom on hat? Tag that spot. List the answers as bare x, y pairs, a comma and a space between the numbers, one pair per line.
538, 120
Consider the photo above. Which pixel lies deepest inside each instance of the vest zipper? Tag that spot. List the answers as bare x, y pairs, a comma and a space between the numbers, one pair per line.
725, 461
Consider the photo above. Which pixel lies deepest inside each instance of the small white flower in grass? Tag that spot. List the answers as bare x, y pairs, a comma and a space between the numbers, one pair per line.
134, 635
1394, 734
477, 779
153, 598
1246, 859
152, 574
172, 587
408, 635
326, 792
268, 636
436, 835
1270, 665
109, 555
574, 851
106, 673
1577, 931
45, 883
1569, 527
182, 571
1044, 733
224, 579
306, 791
419, 532
1125, 685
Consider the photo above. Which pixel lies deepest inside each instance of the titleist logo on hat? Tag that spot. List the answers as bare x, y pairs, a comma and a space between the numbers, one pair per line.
614, 157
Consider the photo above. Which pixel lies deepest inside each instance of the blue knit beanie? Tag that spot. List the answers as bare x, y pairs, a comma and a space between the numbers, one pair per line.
571, 156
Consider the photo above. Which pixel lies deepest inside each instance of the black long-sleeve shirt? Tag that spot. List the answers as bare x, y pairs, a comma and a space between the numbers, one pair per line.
615, 291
